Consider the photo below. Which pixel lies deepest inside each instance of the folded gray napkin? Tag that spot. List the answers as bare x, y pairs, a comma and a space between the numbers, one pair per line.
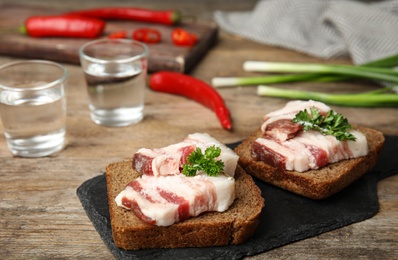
362, 30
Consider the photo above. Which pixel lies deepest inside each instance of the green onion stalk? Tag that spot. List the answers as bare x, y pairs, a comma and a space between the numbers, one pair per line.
368, 99
387, 74
378, 70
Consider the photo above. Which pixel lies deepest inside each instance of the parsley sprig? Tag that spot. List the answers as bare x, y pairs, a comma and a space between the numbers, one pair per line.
197, 161
333, 124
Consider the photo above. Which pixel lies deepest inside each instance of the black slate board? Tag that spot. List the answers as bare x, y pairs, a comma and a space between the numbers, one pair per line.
285, 218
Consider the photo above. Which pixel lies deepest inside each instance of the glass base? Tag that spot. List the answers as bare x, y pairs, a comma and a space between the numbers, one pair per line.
117, 117
38, 146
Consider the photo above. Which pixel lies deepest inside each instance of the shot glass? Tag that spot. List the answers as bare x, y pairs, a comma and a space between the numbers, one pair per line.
33, 107
115, 71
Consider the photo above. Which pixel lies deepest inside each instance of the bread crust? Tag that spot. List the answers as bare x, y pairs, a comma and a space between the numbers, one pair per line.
233, 226
314, 184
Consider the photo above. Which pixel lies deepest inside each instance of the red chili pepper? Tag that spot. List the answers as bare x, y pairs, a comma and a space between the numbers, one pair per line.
118, 35
63, 26
182, 37
131, 13
193, 88
147, 35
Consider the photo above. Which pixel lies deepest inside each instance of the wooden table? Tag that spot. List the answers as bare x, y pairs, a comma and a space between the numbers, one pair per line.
41, 216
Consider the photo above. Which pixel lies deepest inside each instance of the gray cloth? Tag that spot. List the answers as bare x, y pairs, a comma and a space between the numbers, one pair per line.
364, 31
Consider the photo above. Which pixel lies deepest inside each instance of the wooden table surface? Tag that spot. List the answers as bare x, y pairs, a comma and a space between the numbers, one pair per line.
41, 216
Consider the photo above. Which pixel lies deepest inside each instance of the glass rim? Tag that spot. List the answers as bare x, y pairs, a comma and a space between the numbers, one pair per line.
35, 88
144, 53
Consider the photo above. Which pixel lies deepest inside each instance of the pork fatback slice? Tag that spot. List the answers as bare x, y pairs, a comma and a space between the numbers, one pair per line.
165, 200
336, 150
170, 159
278, 155
162, 161
308, 150
278, 124
297, 105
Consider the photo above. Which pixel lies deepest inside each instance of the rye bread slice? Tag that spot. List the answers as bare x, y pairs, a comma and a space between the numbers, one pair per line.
233, 226
314, 184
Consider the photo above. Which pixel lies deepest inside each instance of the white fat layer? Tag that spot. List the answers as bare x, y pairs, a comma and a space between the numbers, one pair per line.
297, 105
225, 191
166, 164
359, 147
202, 192
294, 161
166, 160
164, 213
270, 120
304, 162
335, 149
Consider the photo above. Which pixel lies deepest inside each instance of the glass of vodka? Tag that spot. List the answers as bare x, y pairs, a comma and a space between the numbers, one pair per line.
115, 71
33, 107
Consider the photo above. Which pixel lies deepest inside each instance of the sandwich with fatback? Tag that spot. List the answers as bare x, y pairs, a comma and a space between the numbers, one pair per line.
188, 194
309, 149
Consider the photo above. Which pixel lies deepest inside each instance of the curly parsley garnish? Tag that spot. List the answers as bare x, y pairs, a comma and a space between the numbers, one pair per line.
333, 124
197, 161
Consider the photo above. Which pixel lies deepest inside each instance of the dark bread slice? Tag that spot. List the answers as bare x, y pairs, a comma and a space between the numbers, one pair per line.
233, 226
314, 184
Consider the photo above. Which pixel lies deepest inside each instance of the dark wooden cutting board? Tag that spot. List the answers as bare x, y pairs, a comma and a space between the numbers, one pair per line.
163, 56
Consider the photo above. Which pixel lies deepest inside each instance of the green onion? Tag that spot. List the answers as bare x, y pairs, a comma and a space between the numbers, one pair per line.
349, 70
219, 82
387, 62
378, 70
367, 99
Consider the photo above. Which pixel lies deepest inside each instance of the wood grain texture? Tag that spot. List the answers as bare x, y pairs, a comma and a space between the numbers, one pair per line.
41, 216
